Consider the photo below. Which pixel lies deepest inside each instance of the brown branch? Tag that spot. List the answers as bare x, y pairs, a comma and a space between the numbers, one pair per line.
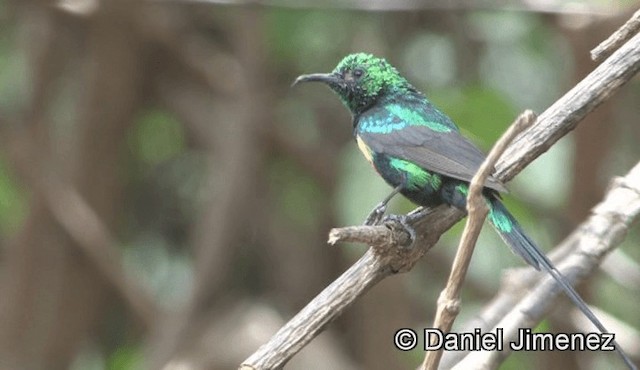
624, 33
449, 301
554, 123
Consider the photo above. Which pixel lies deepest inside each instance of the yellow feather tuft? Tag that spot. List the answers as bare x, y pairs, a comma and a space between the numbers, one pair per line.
364, 148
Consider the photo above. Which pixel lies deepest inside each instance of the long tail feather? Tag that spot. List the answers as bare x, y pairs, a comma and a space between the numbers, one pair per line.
511, 232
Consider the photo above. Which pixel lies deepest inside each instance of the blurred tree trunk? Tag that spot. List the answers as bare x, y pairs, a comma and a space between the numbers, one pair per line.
52, 298
593, 141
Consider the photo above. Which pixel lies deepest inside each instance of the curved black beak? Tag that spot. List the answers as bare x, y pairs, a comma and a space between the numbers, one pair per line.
328, 78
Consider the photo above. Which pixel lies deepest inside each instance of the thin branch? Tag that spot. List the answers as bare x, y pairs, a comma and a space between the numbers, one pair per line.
624, 33
449, 301
593, 240
515, 282
554, 123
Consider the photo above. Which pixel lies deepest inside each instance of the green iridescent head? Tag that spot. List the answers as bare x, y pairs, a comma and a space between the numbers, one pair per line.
360, 80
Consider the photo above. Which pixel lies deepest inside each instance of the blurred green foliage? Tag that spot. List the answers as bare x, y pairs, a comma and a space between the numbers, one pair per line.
295, 192
157, 137
125, 358
13, 202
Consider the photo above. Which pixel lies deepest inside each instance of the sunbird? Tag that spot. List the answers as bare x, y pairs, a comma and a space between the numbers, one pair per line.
420, 152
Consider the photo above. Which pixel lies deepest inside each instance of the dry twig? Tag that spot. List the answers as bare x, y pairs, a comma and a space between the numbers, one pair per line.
624, 33
370, 235
449, 300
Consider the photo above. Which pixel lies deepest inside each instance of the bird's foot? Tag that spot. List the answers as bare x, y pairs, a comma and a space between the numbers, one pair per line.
404, 221
375, 216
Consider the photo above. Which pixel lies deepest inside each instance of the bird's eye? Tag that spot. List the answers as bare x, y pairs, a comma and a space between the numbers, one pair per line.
357, 73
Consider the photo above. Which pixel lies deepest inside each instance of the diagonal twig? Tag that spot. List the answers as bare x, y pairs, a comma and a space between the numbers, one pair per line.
624, 33
449, 300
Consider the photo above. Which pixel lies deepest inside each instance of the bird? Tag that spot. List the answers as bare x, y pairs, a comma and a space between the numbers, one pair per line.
420, 152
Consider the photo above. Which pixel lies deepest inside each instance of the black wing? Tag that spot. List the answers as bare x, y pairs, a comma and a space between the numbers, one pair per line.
448, 153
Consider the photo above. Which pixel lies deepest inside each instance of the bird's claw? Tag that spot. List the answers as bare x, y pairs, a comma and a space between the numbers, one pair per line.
375, 216
403, 220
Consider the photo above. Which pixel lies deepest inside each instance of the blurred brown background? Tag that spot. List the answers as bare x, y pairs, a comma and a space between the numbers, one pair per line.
165, 197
